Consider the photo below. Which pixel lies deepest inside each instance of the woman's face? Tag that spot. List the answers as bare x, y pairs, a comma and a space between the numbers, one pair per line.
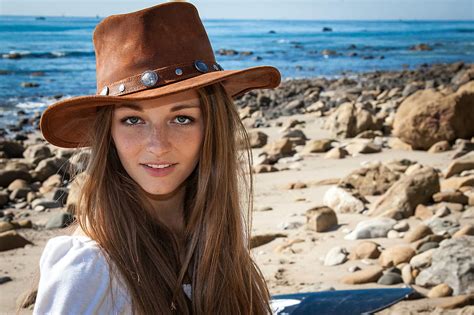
159, 141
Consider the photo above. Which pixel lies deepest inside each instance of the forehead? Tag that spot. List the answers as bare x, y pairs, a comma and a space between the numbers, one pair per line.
173, 102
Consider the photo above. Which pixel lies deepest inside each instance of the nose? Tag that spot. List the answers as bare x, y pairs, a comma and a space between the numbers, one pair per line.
158, 142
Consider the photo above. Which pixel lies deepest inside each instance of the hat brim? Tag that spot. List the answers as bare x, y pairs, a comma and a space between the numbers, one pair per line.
66, 123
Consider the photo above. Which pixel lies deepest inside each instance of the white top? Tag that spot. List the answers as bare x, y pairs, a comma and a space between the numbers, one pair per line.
75, 280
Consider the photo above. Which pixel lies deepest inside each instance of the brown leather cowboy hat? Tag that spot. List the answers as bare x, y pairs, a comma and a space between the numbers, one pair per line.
143, 55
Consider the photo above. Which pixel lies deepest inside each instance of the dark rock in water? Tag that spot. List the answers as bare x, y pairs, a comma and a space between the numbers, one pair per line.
452, 263
21, 112
37, 74
4, 72
390, 278
227, 52
5, 279
12, 149
271, 32
29, 84
421, 47
12, 56
327, 29
60, 220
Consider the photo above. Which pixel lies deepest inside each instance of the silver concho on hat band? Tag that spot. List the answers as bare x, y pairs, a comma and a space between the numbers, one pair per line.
104, 91
200, 66
122, 87
149, 78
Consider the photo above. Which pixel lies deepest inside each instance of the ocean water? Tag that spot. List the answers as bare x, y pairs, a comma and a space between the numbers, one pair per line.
61, 49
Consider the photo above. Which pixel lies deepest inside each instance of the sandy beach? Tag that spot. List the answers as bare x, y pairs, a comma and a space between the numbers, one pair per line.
294, 257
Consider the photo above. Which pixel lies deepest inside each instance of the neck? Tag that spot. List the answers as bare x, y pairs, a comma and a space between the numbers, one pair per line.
169, 208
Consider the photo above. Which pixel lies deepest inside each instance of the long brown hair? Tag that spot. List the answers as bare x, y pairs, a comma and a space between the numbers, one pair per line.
218, 202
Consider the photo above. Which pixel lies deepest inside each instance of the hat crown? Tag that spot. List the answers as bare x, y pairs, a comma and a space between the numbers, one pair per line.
160, 36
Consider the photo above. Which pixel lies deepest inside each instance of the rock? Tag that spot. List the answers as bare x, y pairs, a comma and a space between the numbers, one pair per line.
441, 290
19, 193
279, 148
11, 149
257, 169
422, 260
422, 212
17, 183
364, 250
50, 183
398, 144
50, 166
455, 183
440, 146
59, 220
336, 256
367, 275
8, 176
11, 240
407, 276
6, 226
401, 226
451, 264
390, 278
37, 152
396, 255
451, 206
259, 240
343, 201
457, 301
428, 116
257, 139
402, 198
4, 198
451, 196
321, 219
296, 136
296, 185
371, 180
317, 146
45, 203
463, 163
417, 233
392, 234
427, 246
347, 121
467, 229
336, 153
373, 228
5, 279
363, 148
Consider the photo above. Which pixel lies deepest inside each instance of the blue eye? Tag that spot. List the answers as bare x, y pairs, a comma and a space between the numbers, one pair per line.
130, 121
182, 120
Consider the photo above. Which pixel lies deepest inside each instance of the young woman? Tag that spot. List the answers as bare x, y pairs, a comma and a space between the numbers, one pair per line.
164, 211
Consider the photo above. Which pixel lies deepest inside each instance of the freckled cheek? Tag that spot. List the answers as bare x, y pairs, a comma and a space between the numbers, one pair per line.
128, 142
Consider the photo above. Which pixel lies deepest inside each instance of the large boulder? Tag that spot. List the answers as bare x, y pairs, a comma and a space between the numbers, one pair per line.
402, 198
348, 121
428, 116
452, 263
343, 201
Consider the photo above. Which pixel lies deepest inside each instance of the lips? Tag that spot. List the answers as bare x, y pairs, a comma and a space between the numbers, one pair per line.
160, 170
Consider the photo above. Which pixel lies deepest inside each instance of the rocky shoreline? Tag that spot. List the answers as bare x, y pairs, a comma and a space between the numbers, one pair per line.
361, 181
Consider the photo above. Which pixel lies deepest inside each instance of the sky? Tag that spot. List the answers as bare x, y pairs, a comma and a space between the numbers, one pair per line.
260, 9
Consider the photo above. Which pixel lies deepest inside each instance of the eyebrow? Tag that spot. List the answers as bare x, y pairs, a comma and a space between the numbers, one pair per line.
140, 109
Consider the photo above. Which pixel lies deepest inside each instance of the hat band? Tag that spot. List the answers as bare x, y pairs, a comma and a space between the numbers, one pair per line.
159, 77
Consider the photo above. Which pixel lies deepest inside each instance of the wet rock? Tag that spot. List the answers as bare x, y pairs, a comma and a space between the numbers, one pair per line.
451, 264
343, 201
321, 219
373, 228
402, 198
